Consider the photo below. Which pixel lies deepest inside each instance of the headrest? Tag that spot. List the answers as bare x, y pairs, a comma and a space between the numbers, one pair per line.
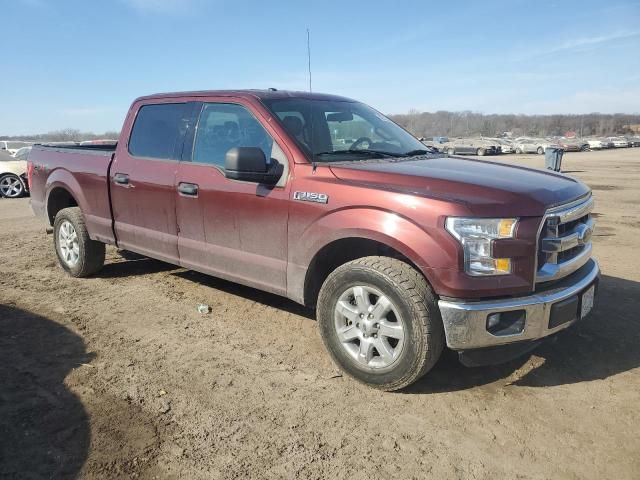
293, 125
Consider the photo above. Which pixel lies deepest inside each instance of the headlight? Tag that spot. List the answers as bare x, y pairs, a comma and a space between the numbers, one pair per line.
475, 236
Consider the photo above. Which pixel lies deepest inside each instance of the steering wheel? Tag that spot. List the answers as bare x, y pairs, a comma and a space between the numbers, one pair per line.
361, 141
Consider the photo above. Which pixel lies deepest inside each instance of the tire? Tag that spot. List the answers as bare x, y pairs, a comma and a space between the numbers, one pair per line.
411, 310
540, 150
518, 151
78, 255
480, 152
12, 186
451, 151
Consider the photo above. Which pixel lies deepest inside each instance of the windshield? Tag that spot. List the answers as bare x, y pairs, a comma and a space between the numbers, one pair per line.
337, 130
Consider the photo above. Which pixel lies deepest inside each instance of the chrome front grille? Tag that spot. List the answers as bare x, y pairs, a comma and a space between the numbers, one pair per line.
564, 240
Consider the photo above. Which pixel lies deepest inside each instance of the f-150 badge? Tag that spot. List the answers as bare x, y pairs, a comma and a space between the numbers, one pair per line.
311, 197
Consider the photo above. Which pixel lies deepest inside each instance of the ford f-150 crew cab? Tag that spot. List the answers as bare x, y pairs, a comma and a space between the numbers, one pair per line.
322, 199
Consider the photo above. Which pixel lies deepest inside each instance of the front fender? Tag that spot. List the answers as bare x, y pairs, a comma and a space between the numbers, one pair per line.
424, 247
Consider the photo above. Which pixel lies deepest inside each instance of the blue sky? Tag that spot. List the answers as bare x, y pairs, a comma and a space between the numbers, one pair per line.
78, 64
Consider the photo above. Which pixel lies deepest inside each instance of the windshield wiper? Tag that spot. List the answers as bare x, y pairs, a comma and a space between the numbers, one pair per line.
364, 151
414, 153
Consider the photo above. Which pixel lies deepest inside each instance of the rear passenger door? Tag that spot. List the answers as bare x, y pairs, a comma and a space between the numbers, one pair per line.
232, 229
142, 180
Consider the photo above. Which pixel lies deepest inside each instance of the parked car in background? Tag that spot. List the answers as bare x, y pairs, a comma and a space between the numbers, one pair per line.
634, 141
531, 145
570, 145
470, 146
505, 145
13, 146
436, 142
13, 176
23, 153
619, 142
597, 144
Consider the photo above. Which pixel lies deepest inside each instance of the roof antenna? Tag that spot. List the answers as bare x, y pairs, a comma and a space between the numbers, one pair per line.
314, 165
309, 57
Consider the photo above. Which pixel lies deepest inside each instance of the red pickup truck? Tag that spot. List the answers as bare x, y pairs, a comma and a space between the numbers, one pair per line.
324, 200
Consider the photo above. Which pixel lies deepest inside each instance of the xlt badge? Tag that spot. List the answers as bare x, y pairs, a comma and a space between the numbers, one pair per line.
311, 197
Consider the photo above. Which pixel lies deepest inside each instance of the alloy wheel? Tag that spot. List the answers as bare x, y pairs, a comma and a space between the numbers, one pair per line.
369, 327
68, 244
11, 187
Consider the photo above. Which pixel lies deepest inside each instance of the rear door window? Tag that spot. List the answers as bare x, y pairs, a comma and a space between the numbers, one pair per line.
158, 131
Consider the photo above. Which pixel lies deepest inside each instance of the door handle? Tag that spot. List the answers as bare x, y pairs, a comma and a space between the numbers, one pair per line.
190, 189
121, 178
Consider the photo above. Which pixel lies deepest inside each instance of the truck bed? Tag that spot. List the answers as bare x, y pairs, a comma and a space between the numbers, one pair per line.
82, 169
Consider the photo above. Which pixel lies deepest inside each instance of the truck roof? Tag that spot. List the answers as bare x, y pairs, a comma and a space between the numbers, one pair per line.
268, 94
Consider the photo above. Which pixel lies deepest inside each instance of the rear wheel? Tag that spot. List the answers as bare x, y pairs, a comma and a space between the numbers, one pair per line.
11, 186
540, 150
77, 253
380, 322
451, 151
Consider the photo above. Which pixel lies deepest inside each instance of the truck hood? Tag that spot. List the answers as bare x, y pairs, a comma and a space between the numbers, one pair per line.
485, 188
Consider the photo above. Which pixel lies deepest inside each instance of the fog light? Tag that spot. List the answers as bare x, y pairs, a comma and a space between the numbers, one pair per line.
492, 321
506, 323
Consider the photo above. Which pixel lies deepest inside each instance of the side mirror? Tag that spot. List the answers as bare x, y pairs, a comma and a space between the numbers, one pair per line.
250, 165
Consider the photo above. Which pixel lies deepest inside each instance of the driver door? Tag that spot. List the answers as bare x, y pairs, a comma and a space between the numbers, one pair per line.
232, 229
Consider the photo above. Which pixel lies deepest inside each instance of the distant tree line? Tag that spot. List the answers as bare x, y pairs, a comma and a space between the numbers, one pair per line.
65, 135
463, 124
443, 123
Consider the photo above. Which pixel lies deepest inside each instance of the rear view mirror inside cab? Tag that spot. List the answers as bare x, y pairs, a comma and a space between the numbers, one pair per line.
340, 117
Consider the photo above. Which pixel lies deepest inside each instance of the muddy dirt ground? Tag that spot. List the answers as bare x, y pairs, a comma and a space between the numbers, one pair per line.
118, 376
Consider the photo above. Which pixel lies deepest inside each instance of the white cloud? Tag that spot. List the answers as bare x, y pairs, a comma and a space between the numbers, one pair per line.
595, 40
573, 45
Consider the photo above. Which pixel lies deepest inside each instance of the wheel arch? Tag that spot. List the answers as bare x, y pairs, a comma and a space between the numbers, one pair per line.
345, 249
58, 198
62, 191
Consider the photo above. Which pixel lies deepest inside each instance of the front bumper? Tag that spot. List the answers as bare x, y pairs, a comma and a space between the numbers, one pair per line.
465, 322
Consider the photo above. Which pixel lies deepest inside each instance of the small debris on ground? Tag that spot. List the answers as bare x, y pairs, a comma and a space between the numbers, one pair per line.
164, 406
203, 308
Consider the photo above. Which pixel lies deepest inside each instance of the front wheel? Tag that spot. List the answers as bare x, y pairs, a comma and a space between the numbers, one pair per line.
77, 253
480, 152
380, 322
518, 150
540, 150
